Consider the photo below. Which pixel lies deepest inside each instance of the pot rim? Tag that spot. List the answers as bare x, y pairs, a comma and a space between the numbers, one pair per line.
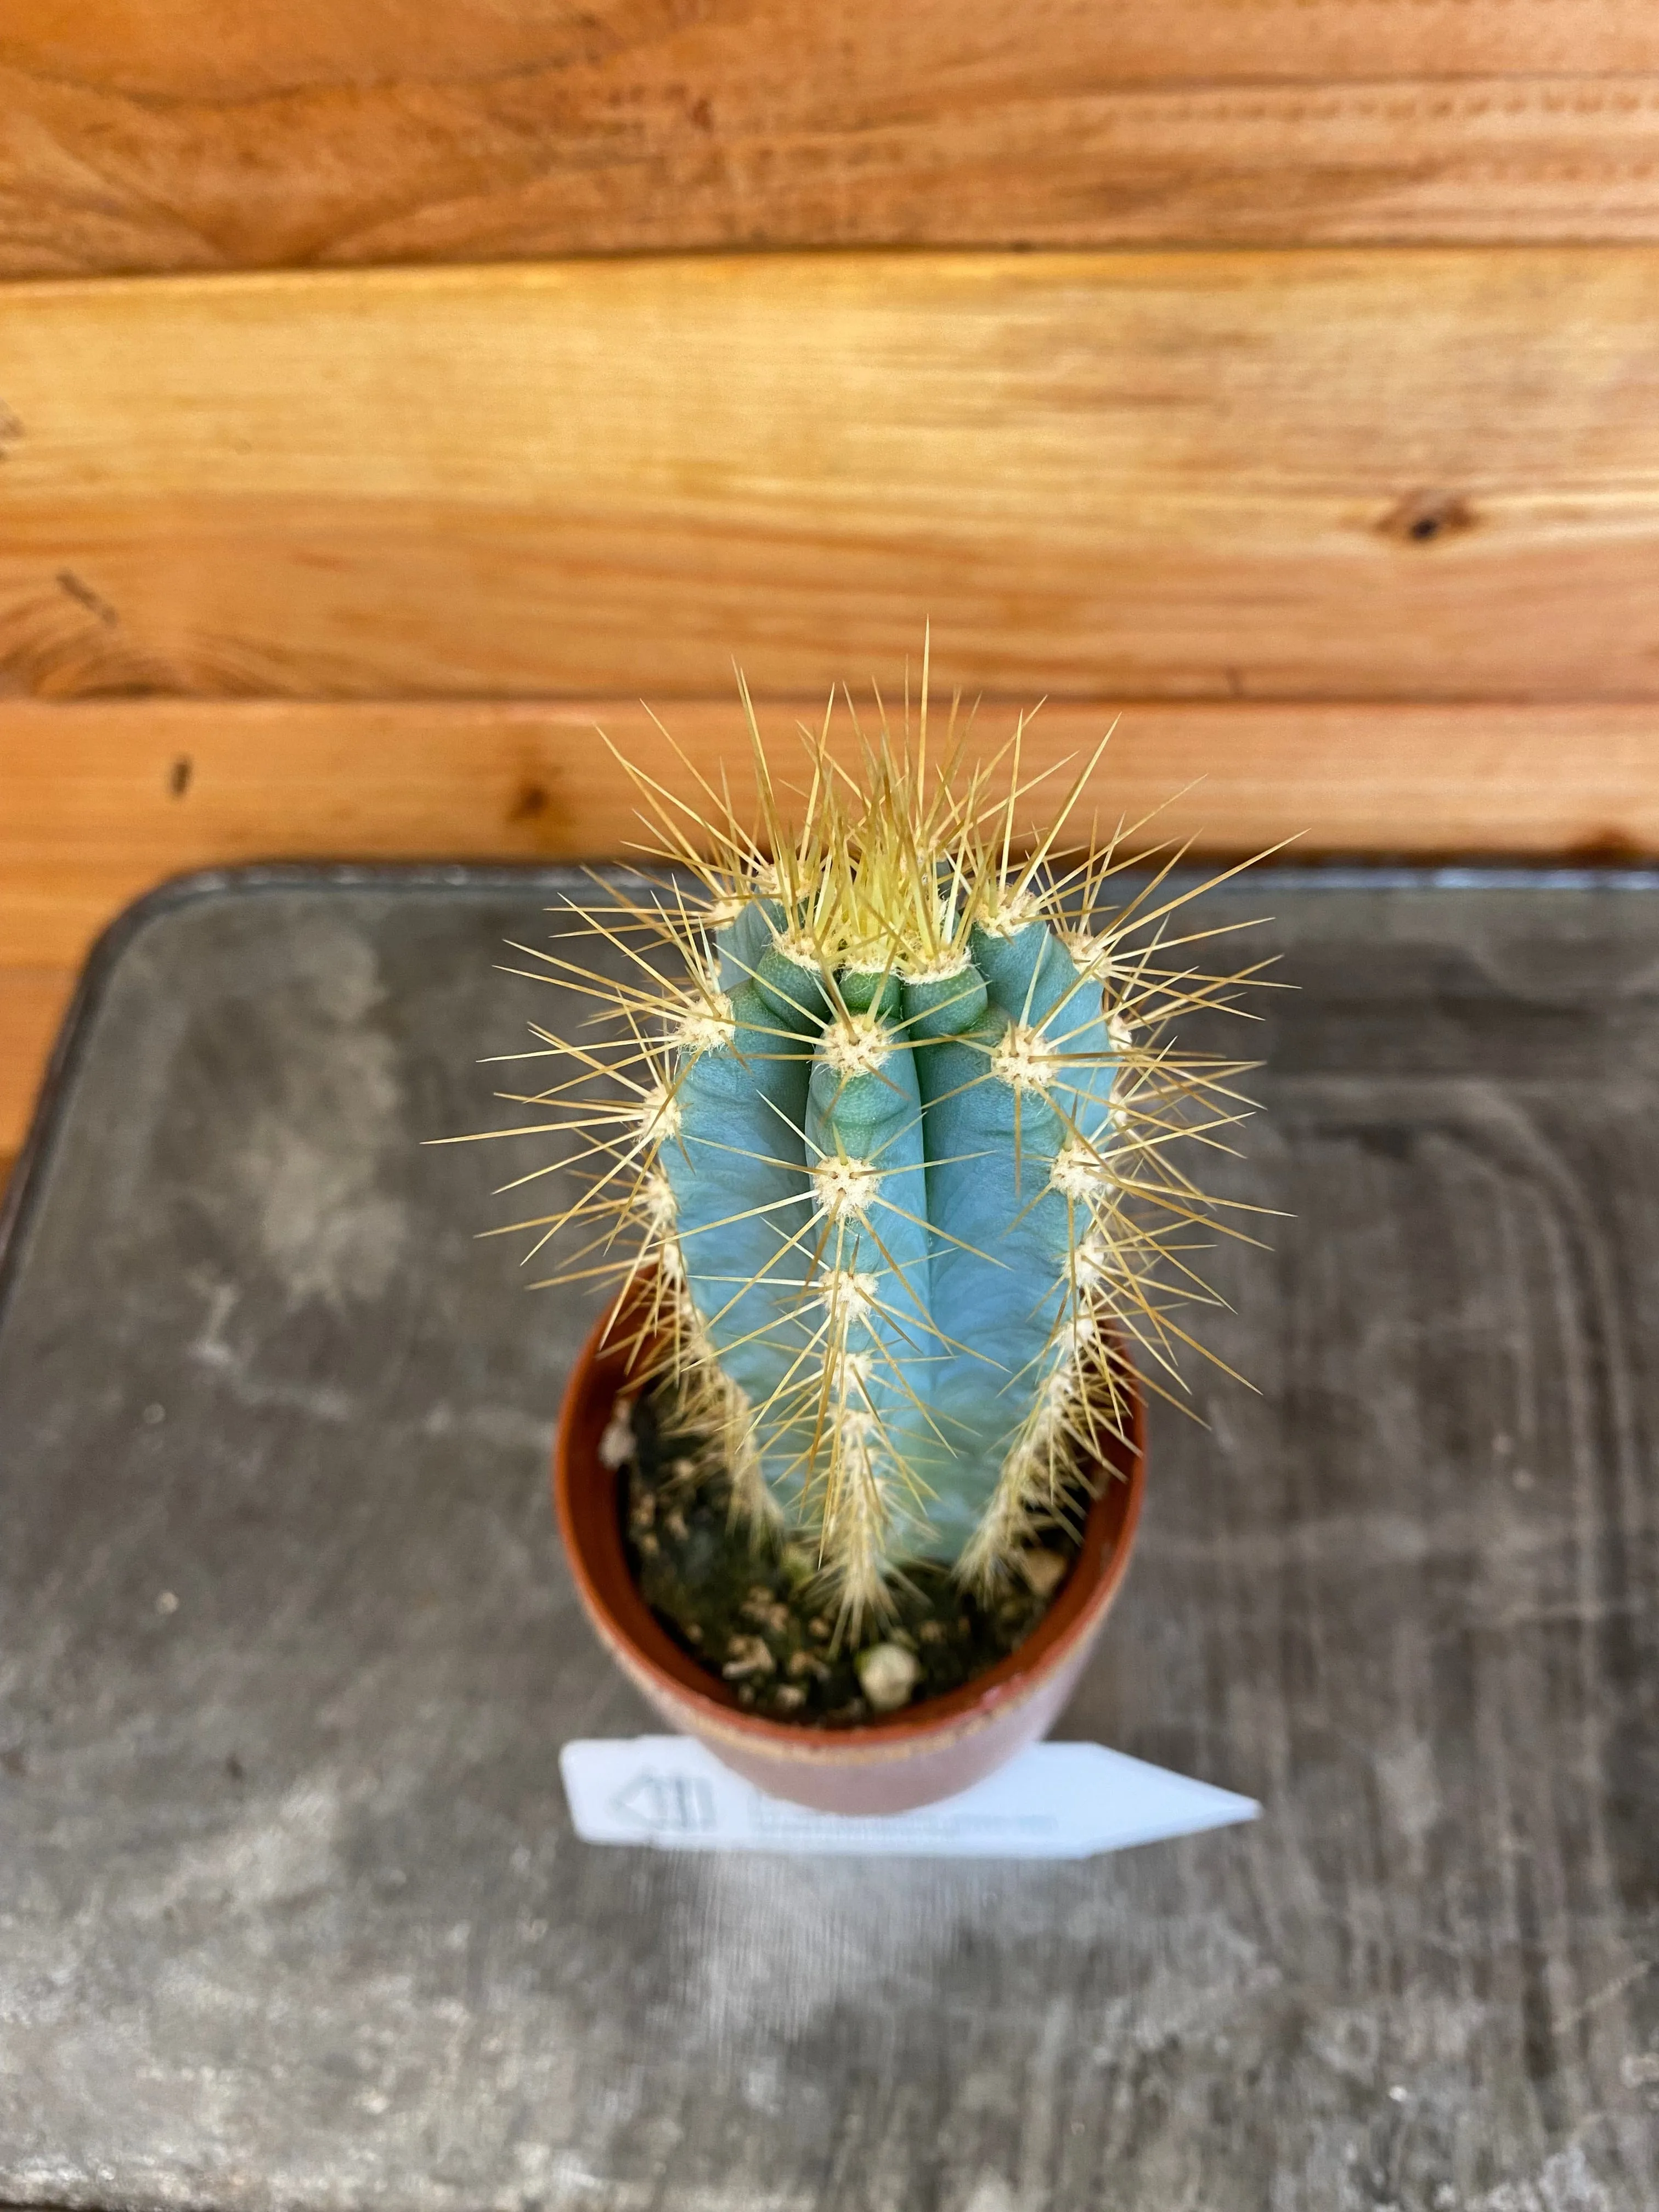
590, 1524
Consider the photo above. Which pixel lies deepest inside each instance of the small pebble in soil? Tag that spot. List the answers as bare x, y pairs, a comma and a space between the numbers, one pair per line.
746, 1656
1044, 1570
887, 1674
616, 1443
755, 1616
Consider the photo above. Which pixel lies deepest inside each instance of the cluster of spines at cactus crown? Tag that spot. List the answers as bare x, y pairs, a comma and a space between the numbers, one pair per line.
877, 1132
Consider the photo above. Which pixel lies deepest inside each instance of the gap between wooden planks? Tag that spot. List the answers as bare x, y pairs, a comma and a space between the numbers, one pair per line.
98, 802
1376, 475
311, 133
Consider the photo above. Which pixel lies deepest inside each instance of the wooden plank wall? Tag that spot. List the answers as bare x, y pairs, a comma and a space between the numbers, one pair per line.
1281, 376
299, 133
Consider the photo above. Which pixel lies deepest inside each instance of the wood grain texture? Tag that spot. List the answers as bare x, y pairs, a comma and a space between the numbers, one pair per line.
1429, 474
103, 800
129, 139
32, 1001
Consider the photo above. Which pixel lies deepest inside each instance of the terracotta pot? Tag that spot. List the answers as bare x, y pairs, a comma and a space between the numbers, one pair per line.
931, 1749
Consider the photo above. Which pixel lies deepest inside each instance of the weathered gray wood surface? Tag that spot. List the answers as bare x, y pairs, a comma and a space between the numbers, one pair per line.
290, 1913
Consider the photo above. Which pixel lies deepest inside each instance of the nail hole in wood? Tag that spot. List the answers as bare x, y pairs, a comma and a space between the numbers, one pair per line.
1423, 517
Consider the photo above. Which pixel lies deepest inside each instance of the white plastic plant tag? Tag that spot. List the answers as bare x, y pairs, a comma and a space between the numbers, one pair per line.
1056, 1801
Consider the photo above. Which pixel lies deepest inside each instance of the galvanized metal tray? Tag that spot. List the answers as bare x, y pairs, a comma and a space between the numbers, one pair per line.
290, 1910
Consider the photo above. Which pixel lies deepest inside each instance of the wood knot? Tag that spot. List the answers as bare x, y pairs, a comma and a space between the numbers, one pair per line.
530, 800
1424, 518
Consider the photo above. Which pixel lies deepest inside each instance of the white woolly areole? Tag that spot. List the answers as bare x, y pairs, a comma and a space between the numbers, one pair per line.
859, 1045
848, 1294
656, 1200
1092, 1265
1092, 951
1060, 1384
850, 1374
939, 967
858, 1434
845, 1188
1025, 1058
721, 913
708, 1026
1082, 1331
1078, 1171
799, 950
1013, 911
659, 1112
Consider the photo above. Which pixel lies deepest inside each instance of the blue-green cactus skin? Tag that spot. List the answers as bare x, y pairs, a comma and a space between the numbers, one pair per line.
968, 1244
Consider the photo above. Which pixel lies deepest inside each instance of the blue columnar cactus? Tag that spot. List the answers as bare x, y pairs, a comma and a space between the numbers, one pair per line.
894, 1142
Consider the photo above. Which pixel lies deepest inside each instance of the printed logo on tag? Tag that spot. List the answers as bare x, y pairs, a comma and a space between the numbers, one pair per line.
1056, 1801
